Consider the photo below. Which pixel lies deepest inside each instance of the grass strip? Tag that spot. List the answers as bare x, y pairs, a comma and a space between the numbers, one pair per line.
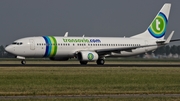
100, 99
88, 81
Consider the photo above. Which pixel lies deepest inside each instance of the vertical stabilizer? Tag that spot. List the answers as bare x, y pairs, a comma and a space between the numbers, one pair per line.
157, 28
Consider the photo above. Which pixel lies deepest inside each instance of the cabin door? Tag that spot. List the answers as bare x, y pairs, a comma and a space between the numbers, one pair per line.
32, 44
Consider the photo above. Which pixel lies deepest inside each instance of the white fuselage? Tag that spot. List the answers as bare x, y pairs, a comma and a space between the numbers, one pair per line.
68, 46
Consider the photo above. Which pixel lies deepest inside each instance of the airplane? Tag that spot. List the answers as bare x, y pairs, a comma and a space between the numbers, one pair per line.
89, 49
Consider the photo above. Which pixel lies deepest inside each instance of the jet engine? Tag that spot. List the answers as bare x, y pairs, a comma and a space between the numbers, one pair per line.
87, 56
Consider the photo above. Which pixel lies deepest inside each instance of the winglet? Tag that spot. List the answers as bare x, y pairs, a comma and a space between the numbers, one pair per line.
169, 38
66, 34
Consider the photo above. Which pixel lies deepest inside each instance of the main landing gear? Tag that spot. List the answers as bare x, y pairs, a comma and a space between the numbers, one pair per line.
99, 62
23, 62
83, 62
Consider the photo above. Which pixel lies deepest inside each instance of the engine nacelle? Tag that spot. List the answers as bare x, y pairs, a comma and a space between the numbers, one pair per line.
87, 56
59, 58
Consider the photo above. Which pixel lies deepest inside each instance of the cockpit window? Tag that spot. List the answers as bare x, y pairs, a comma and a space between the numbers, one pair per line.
17, 43
14, 43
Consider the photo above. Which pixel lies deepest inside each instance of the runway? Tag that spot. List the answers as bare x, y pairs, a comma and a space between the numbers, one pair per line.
90, 65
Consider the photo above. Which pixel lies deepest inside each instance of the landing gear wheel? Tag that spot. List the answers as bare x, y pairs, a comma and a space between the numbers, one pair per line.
100, 61
83, 62
23, 62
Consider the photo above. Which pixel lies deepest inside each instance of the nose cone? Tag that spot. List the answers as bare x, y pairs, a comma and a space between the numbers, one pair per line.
9, 49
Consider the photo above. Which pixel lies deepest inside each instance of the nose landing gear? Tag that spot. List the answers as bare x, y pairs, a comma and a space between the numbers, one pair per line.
23, 62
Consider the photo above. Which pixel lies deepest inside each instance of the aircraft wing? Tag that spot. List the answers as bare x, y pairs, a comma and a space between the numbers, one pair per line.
106, 51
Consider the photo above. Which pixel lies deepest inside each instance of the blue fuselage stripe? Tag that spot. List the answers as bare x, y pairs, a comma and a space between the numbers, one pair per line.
48, 46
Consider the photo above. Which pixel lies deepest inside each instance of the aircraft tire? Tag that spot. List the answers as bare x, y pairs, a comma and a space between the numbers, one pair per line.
23, 62
100, 62
83, 62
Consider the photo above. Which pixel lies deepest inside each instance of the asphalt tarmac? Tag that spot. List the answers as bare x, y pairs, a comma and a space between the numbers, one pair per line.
90, 65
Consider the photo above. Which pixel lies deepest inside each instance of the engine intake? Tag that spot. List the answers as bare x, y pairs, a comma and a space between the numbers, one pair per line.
87, 56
